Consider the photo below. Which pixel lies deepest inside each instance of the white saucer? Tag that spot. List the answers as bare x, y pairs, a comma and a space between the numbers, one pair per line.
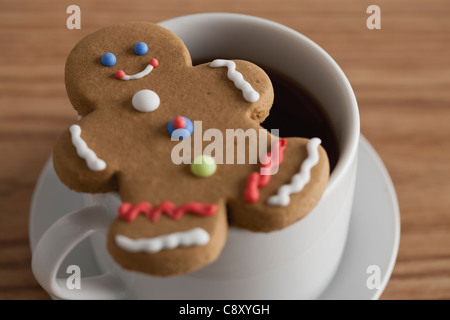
373, 239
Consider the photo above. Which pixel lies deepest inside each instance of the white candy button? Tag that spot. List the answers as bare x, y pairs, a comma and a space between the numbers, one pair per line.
145, 101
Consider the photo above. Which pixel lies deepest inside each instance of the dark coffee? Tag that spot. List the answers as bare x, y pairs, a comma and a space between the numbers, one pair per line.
296, 113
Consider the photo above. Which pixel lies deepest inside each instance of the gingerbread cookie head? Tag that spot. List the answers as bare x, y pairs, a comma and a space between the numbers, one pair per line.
126, 51
135, 88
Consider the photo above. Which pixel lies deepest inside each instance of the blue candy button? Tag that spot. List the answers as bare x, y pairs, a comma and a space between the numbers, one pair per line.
140, 48
180, 133
108, 59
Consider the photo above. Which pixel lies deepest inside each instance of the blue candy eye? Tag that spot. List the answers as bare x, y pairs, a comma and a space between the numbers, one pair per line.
108, 59
140, 48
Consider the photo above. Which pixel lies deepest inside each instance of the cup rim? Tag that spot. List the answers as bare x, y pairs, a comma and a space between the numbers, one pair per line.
349, 148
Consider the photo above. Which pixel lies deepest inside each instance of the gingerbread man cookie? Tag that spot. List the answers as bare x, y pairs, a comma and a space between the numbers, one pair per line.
134, 86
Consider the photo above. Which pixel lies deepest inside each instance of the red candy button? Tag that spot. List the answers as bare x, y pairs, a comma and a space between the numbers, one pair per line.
179, 122
120, 74
154, 63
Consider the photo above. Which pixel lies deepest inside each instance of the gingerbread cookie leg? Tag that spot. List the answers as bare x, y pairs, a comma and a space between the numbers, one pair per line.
272, 202
159, 242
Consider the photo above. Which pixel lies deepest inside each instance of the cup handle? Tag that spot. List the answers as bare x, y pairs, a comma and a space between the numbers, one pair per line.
55, 245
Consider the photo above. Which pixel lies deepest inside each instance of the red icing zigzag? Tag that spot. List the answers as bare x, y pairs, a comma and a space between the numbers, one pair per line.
128, 212
256, 180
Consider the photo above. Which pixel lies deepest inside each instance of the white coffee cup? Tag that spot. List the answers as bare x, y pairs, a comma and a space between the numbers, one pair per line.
297, 262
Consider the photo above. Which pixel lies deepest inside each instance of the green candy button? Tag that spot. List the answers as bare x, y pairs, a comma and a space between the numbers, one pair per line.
203, 166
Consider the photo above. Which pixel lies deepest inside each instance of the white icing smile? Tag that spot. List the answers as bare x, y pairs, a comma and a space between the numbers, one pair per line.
138, 75
149, 68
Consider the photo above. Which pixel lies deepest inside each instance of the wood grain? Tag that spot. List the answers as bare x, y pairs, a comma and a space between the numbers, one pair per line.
400, 74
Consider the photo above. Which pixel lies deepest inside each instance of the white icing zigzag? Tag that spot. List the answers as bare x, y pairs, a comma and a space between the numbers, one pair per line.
93, 162
248, 92
193, 237
299, 180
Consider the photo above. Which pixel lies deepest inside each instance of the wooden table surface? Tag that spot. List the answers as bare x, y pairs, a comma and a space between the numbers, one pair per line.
400, 74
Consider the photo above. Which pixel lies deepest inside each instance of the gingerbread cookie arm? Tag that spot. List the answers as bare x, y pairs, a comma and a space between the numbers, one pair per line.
249, 81
288, 195
80, 160
170, 244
